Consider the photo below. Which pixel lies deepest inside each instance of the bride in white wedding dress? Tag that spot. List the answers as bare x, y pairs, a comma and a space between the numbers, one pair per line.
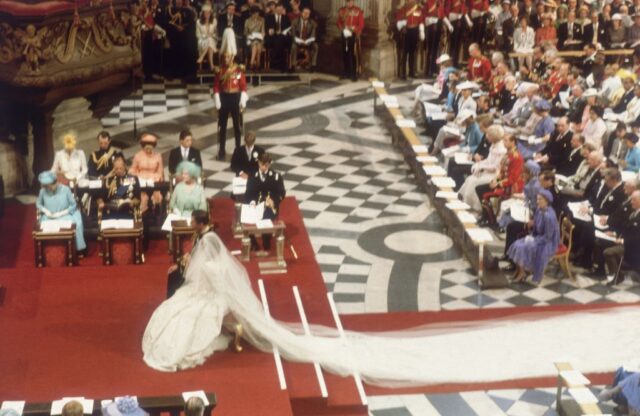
187, 328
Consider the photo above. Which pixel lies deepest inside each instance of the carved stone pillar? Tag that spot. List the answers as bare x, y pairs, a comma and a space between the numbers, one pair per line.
378, 47
75, 116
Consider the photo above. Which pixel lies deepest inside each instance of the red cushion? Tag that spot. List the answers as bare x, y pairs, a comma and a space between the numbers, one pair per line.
561, 249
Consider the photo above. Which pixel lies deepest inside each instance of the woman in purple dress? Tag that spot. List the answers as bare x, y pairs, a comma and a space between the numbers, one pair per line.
532, 253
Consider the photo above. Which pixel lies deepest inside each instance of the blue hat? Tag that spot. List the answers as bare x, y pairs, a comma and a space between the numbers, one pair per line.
543, 105
191, 168
546, 194
533, 167
124, 406
47, 177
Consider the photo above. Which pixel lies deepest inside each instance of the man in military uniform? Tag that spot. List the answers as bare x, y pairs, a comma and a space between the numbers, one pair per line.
101, 161
433, 13
410, 23
351, 23
122, 192
455, 15
230, 93
479, 9
265, 186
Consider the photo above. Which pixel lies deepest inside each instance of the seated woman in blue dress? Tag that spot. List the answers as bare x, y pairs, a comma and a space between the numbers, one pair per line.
56, 202
532, 253
625, 392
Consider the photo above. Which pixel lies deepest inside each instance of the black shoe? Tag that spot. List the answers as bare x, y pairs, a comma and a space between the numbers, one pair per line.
220, 157
510, 268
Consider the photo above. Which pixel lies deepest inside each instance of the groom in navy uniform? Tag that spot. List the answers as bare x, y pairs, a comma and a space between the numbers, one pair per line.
265, 186
200, 223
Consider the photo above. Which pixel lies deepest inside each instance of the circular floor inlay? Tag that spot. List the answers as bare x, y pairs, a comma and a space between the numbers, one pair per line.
417, 242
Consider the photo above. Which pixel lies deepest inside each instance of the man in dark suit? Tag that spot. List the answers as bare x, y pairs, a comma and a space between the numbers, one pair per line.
629, 93
303, 32
184, 152
265, 186
596, 31
244, 161
557, 147
278, 39
230, 19
590, 59
570, 35
572, 158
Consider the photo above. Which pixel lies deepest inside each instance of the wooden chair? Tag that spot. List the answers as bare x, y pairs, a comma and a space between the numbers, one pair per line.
564, 248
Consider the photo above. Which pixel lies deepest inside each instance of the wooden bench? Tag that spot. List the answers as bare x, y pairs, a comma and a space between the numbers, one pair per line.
406, 139
173, 405
55, 248
568, 406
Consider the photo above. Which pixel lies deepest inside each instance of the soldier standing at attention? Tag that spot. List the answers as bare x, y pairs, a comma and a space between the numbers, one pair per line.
351, 24
230, 91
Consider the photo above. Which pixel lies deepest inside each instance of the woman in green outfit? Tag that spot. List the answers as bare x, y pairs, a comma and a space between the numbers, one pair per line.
188, 195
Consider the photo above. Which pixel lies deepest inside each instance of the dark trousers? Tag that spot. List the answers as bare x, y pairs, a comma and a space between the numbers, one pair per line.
409, 52
152, 50
457, 37
230, 105
599, 248
349, 57
431, 46
584, 235
458, 172
612, 257
478, 31
515, 230
278, 45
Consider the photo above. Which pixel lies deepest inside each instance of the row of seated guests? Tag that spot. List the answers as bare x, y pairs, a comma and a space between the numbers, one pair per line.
521, 141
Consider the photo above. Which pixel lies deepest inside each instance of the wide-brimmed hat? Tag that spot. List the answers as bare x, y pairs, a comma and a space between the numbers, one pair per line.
616, 16
465, 114
443, 58
124, 406
467, 85
191, 168
148, 139
69, 141
546, 194
47, 177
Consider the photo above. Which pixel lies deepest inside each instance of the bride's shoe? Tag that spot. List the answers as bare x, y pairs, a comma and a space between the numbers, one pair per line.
239, 330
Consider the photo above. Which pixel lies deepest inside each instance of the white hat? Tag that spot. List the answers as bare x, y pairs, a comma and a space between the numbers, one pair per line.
467, 85
616, 16
443, 58
465, 114
591, 92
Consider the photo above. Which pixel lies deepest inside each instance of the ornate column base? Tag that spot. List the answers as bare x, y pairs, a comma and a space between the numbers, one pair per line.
73, 115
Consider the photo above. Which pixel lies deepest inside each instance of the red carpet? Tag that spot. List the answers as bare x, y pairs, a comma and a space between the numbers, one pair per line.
77, 331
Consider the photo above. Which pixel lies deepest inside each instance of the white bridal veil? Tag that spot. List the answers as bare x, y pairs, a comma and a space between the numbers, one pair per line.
186, 329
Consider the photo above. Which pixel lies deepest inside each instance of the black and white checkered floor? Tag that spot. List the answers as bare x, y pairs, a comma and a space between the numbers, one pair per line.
377, 240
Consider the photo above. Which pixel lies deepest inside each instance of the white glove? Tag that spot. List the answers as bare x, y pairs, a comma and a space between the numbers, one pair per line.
47, 212
422, 36
346, 33
401, 24
216, 98
448, 24
299, 41
244, 97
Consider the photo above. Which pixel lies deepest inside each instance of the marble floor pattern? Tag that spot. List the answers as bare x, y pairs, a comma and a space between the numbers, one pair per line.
379, 244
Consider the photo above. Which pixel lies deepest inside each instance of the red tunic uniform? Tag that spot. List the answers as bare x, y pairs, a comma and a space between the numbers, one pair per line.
454, 9
412, 14
479, 69
351, 18
229, 80
433, 8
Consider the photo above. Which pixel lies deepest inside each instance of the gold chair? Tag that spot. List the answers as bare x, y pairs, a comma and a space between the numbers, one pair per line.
564, 248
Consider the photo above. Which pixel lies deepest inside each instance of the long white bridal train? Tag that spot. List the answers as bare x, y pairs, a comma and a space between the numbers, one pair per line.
187, 328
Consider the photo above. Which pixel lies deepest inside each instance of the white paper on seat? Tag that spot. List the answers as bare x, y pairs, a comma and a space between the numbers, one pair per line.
604, 236
575, 210
406, 123
146, 183
466, 217
263, 224
462, 158
251, 214
53, 226
479, 235
427, 159
420, 148
121, 224
434, 170
377, 84
583, 395
457, 205
443, 182
17, 406
574, 378
438, 115
166, 226
597, 223
563, 98
95, 184
189, 394
430, 107
239, 185
452, 130
520, 212
447, 152
447, 195
389, 99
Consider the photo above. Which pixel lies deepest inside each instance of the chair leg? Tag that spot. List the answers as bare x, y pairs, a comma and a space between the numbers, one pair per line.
567, 268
